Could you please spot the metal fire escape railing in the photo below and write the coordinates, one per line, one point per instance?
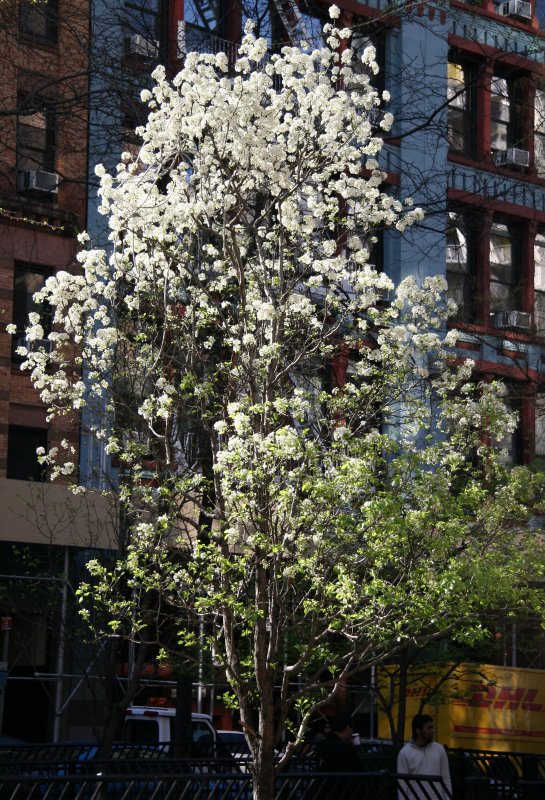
(292, 19)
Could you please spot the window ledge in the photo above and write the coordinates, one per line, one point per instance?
(28, 40)
(528, 177)
(29, 211)
(499, 333)
(532, 25)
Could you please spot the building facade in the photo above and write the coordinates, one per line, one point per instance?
(44, 532)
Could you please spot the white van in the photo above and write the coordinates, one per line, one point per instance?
(155, 725)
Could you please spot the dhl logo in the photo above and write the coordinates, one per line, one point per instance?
(419, 691)
(503, 697)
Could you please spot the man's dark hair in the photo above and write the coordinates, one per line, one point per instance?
(419, 721)
(340, 721)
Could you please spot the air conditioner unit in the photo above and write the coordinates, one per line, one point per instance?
(138, 45)
(39, 182)
(513, 156)
(517, 320)
(516, 8)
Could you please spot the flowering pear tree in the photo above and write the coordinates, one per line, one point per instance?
(318, 489)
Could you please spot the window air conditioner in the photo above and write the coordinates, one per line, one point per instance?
(138, 45)
(513, 156)
(518, 320)
(32, 180)
(516, 8)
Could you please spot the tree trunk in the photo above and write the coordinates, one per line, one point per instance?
(263, 774)
(117, 711)
(402, 698)
(181, 746)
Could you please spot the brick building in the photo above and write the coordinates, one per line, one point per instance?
(43, 195)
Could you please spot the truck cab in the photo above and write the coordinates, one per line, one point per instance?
(155, 725)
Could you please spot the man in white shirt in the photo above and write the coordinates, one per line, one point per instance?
(423, 756)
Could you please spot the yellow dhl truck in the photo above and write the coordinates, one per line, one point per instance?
(481, 707)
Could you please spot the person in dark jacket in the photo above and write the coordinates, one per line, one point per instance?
(336, 753)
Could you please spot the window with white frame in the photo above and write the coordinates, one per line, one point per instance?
(500, 114)
(539, 129)
(539, 284)
(459, 266)
(539, 431)
(460, 115)
(503, 272)
(508, 109)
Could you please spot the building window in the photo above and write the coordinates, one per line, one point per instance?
(539, 130)
(507, 113)
(539, 429)
(362, 38)
(27, 280)
(268, 23)
(147, 27)
(512, 444)
(22, 459)
(314, 27)
(35, 137)
(503, 269)
(500, 114)
(39, 20)
(539, 284)
(360, 238)
(459, 266)
(460, 115)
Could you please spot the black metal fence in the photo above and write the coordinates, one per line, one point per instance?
(220, 786)
(59, 772)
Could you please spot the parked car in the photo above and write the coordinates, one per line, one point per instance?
(10, 741)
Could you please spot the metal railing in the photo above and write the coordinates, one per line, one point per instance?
(139, 770)
(221, 786)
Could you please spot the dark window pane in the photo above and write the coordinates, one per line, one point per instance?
(22, 460)
(27, 281)
(39, 20)
(35, 139)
